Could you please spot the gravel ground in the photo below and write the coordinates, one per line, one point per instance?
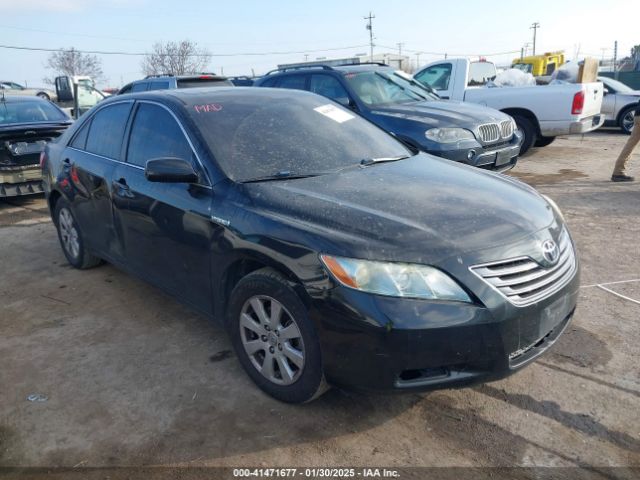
(133, 378)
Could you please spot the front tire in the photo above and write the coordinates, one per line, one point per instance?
(274, 339)
(529, 133)
(544, 141)
(71, 239)
(626, 119)
(43, 96)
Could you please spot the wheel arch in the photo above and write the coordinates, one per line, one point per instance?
(523, 112)
(624, 110)
(243, 265)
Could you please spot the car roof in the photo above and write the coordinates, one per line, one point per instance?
(341, 69)
(204, 95)
(22, 98)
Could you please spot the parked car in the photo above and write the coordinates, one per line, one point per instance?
(541, 112)
(327, 248)
(242, 81)
(167, 82)
(480, 136)
(13, 88)
(619, 104)
(77, 94)
(26, 125)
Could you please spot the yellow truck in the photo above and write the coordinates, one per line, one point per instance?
(539, 65)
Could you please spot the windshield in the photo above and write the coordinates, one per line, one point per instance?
(525, 67)
(30, 112)
(619, 87)
(298, 134)
(415, 87)
(384, 88)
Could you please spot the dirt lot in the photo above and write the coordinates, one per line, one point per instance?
(132, 377)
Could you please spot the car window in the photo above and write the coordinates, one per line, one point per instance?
(299, 134)
(80, 140)
(296, 82)
(204, 82)
(107, 129)
(480, 73)
(30, 111)
(140, 87)
(270, 82)
(125, 89)
(437, 76)
(327, 86)
(156, 134)
(159, 85)
(381, 88)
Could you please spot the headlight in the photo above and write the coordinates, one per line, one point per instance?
(448, 135)
(554, 206)
(394, 279)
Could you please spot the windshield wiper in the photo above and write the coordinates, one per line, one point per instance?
(281, 175)
(365, 162)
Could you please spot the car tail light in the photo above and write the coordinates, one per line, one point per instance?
(205, 77)
(43, 159)
(578, 103)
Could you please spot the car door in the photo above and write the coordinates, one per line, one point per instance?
(164, 228)
(609, 102)
(89, 161)
(438, 77)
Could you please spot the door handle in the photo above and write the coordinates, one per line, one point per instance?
(66, 161)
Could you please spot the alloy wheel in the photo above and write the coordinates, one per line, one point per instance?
(627, 121)
(68, 233)
(272, 339)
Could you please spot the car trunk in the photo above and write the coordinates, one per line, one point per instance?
(21, 148)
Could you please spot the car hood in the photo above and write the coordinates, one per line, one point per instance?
(423, 209)
(443, 113)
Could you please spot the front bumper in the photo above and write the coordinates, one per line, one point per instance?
(378, 343)
(500, 157)
(20, 180)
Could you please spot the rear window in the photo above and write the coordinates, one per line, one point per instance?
(480, 73)
(204, 82)
(253, 137)
(30, 111)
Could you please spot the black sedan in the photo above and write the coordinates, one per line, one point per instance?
(26, 125)
(330, 252)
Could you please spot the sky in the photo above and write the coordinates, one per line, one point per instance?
(232, 29)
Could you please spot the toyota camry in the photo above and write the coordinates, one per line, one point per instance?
(332, 254)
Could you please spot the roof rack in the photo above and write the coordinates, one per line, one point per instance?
(363, 63)
(159, 75)
(299, 67)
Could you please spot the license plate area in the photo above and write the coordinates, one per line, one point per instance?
(18, 149)
(503, 157)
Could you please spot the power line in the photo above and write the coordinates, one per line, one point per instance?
(440, 54)
(139, 54)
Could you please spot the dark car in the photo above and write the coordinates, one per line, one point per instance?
(167, 82)
(26, 125)
(242, 81)
(328, 250)
(463, 132)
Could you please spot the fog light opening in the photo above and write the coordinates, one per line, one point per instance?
(471, 154)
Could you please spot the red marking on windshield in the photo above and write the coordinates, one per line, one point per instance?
(207, 107)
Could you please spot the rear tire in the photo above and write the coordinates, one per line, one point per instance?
(71, 239)
(626, 119)
(544, 141)
(529, 133)
(274, 339)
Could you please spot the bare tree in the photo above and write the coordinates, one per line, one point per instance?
(72, 62)
(176, 58)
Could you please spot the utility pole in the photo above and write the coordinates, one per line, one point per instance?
(535, 26)
(400, 44)
(418, 60)
(306, 56)
(525, 48)
(615, 59)
(370, 28)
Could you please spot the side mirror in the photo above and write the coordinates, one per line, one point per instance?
(605, 91)
(345, 102)
(170, 170)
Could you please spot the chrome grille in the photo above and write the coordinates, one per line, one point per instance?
(524, 281)
(506, 129)
(489, 132)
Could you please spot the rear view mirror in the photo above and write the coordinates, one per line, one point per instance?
(170, 170)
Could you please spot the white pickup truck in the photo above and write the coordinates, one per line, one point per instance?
(541, 112)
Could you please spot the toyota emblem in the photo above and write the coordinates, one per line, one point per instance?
(550, 251)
